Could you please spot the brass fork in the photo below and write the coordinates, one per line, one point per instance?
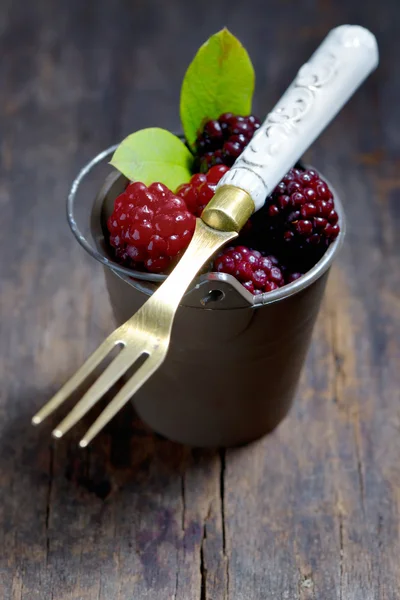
(148, 332)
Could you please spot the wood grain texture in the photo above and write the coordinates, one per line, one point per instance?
(309, 512)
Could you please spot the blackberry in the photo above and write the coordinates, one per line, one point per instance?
(299, 220)
(256, 272)
(223, 140)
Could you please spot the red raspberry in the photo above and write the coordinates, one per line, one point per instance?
(199, 191)
(223, 139)
(256, 272)
(149, 226)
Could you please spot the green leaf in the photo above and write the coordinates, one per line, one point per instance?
(219, 79)
(154, 154)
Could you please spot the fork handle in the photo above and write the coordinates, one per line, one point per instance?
(322, 86)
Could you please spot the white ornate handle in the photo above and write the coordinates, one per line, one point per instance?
(345, 58)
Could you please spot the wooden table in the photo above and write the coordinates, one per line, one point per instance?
(310, 512)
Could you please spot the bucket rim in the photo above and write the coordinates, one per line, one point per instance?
(130, 275)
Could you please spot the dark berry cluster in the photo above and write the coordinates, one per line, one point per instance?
(256, 272)
(301, 209)
(223, 139)
(299, 220)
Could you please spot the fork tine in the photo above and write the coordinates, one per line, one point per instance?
(76, 380)
(110, 375)
(135, 382)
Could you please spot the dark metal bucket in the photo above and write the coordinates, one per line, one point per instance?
(235, 359)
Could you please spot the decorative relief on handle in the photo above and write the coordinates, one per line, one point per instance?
(322, 86)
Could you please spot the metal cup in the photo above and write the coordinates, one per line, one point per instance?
(235, 359)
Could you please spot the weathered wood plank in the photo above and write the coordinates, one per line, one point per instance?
(311, 511)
